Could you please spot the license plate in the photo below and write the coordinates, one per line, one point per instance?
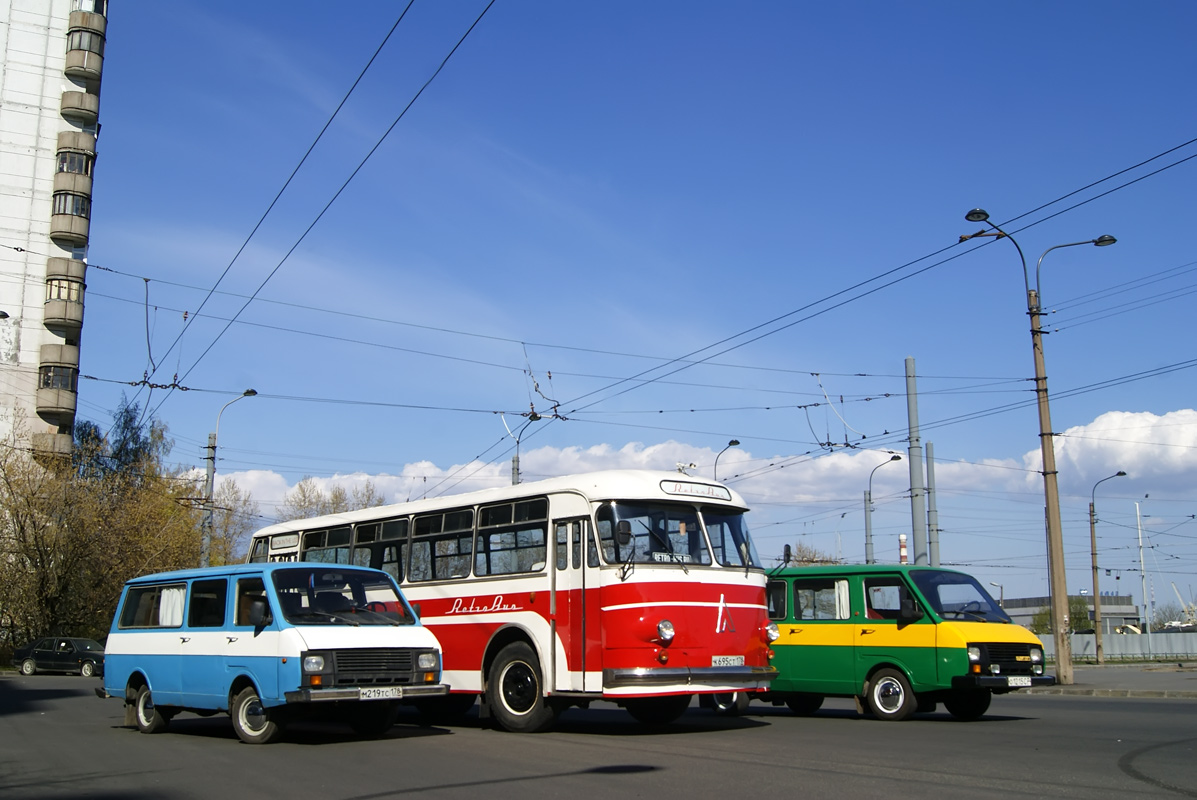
(727, 661)
(1018, 680)
(384, 693)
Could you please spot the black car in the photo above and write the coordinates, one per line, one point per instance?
(60, 654)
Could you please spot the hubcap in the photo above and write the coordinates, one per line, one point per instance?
(254, 715)
(889, 695)
(519, 690)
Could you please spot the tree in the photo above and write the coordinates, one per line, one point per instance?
(804, 554)
(73, 530)
(1078, 617)
(307, 500)
(234, 518)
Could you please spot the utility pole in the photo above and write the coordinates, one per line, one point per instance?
(932, 512)
(918, 509)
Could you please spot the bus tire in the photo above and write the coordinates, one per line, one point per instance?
(253, 722)
(804, 705)
(513, 690)
(967, 704)
(146, 715)
(730, 704)
(890, 697)
(658, 710)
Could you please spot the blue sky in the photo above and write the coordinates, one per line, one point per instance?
(646, 222)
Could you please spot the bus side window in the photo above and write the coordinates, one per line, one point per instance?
(776, 596)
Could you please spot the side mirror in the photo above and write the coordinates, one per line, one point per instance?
(258, 612)
(910, 611)
(623, 532)
(415, 608)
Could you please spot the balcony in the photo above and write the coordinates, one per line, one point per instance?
(70, 228)
(52, 446)
(73, 183)
(63, 312)
(82, 107)
(85, 47)
(58, 384)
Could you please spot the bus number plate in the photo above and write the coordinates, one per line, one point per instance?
(1018, 680)
(727, 661)
(382, 693)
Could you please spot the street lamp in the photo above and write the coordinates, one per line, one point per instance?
(1051, 491)
(1001, 594)
(206, 540)
(868, 508)
(732, 443)
(1101, 658)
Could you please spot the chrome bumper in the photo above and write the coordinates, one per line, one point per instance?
(697, 677)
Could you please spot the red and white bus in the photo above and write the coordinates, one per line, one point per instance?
(642, 588)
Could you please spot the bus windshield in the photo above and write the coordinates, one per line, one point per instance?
(317, 594)
(669, 533)
(954, 595)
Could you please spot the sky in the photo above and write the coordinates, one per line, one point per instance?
(663, 227)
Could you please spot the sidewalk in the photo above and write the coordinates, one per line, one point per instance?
(1171, 680)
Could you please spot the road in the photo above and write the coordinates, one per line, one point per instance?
(57, 739)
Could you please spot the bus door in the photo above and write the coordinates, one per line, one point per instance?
(578, 604)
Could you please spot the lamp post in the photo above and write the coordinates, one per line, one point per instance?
(1101, 658)
(1051, 490)
(868, 509)
(732, 443)
(206, 540)
(1001, 594)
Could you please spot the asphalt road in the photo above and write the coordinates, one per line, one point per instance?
(58, 740)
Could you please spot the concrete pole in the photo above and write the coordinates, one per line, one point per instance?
(918, 509)
(868, 508)
(932, 512)
(209, 488)
(1101, 659)
(1143, 583)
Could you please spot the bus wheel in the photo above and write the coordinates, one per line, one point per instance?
(513, 689)
(804, 704)
(729, 704)
(253, 722)
(147, 717)
(658, 710)
(890, 696)
(967, 704)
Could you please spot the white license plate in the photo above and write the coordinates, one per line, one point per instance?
(727, 661)
(1018, 680)
(385, 693)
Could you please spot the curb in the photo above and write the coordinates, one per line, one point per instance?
(1172, 694)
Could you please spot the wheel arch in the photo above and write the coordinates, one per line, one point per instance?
(890, 664)
(506, 635)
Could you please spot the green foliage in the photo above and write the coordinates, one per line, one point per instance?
(1078, 617)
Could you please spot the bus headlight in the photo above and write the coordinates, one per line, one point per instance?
(771, 632)
(665, 631)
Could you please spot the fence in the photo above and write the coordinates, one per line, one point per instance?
(1127, 647)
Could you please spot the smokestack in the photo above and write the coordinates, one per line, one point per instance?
(902, 549)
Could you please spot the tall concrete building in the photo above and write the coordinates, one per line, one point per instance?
(51, 64)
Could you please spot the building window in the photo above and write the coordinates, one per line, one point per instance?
(58, 378)
(75, 204)
(63, 289)
(90, 6)
(86, 40)
(75, 163)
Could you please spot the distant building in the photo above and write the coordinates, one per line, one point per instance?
(53, 58)
(1116, 610)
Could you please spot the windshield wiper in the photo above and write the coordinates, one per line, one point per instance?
(665, 543)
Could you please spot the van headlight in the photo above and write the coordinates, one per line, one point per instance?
(974, 655)
(427, 661)
(313, 664)
(1036, 655)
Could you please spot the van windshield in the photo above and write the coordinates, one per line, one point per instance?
(954, 595)
(320, 594)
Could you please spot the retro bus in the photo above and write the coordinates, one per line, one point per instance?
(638, 587)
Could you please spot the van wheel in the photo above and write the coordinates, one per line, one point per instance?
(147, 717)
(28, 667)
(804, 705)
(253, 722)
(374, 718)
(658, 710)
(890, 696)
(968, 704)
(513, 691)
(87, 669)
(730, 704)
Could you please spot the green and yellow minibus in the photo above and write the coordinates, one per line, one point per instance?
(899, 639)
